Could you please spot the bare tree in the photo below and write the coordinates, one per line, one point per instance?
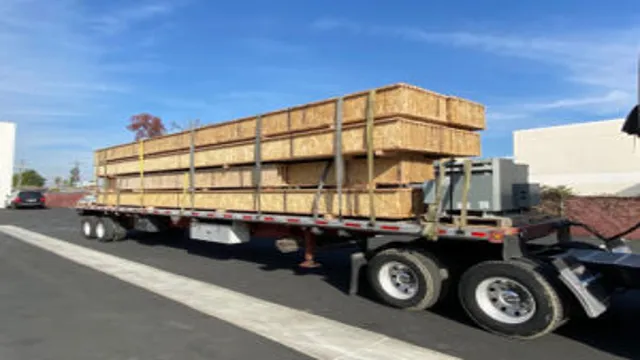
(146, 126)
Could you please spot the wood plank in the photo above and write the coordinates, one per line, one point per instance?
(465, 113)
(388, 171)
(390, 135)
(390, 204)
(393, 100)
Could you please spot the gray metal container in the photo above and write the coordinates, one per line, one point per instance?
(498, 185)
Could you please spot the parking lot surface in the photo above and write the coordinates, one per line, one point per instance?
(53, 308)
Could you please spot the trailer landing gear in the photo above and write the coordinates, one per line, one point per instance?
(309, 251)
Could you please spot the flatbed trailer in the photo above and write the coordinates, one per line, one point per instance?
(509, 277)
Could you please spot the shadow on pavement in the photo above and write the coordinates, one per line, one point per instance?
(614, 333)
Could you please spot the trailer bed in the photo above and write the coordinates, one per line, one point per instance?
(534, 227)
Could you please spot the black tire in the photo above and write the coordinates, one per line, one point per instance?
(88, 227)
(545, 316)
(426, 270)
(119, 232)
(107, 233)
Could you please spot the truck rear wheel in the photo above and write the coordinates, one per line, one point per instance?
(406, 279)
(88, 226)
(109, 229)
(511, 298)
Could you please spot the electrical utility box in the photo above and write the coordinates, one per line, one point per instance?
(498, 185)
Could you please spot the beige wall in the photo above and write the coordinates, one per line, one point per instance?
(592, 158)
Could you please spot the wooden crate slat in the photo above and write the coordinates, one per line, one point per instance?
(394, 100)
(390, 204)
(392, 135)
(388, 171)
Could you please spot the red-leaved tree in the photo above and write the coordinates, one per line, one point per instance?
(146, 126)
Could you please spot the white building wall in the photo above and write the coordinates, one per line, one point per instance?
(7, 152)
(592, 158)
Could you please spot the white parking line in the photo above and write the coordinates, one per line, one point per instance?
(309, 334)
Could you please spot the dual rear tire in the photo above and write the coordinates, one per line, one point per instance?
(104, 229)
(512, 298)
(407, 279)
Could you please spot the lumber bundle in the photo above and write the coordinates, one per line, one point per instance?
(388, 171)
(364, 149)
(390, 203)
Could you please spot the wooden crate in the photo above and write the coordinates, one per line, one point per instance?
(394, 100)
(391, 135)
(466, 114)
(387, 171)
(389, 203)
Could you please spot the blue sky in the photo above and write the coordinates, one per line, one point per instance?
(72, 72)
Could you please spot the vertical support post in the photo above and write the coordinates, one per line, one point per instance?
(323, 179)
(338, 159)
(465, 193)
(192, 167)
(370, 164)
(141, 165)
(117, 193)
(257, 171)
(430, 230)
(185, 187)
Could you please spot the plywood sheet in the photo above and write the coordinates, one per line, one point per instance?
(391, 135)
(390, 204)
(388, 171)
(466, 114)
(394, 100)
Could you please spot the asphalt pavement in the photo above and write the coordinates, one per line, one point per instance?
(55, 309)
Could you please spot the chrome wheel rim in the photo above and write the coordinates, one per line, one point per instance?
(505, 300)
(398, 280)
(100, 230)
(86, 228)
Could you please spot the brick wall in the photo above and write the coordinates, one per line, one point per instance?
(63, 199)
(607, 215)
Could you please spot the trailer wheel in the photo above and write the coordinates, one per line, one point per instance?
(88, 226)
(119, 232)
(511, 298)
(406, 279)
(105, 229)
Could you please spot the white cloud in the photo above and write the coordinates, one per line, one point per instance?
(326, 24)
(602, 63)
(58, 79)
(122, 19)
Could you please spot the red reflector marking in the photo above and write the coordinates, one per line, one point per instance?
(247, 217)
(479, 234)
(496, 237)
(321, 222)
(442, 232)
(228, 216)
(350, 224)
(388, 227)
(195, 214)
(167, 212)
(156, 212)
(210, 215)
(293, 220)
(269, 218)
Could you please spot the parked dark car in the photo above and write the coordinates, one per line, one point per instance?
(26, 199)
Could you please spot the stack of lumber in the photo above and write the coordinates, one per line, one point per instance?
(274, 162)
